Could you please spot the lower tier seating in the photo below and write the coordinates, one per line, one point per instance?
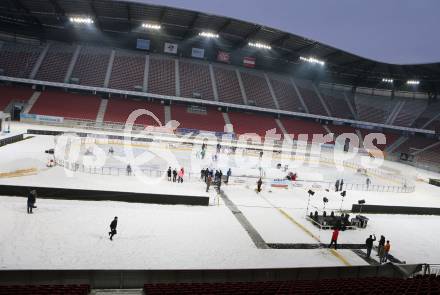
(201, 118)
(362, 286)
(67, 105)
(308, 128)
(45, 290)
(253, 123)
(118, 111)
(8, 94)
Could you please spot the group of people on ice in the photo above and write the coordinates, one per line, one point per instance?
(174, 175)
(383, 248)
(210, 177)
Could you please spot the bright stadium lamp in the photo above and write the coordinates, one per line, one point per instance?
(413, 82)
(151, 26)
(387, 80)
(209, 35)
(312, 60)
(81, 20)
(259, 45)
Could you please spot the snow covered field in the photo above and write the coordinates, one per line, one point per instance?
(73, 234)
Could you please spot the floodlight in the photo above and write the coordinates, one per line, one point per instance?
(209, 35)
(81, 20)
(151, 26)
(387, 80)
(413, 82)
(259, 45)
(312, 60)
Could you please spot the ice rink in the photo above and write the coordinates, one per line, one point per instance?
(73, 234)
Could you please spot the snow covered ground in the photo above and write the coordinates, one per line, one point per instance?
(73, 234)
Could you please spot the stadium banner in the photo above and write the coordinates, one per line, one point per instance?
(41, 118)
(249, 62)
(223, 56)
(170, 48)
(143, 44)
(198, 52)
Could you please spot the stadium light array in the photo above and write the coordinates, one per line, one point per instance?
(209, 35)
(413, 82)
(387, 80)
(81, 20)
(151, 26)
(259, 45)
(312, 60)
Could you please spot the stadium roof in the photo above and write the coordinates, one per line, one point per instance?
(49, 19)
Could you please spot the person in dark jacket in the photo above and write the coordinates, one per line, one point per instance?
(380, 246)
(174, 175)
(228, 174)
(202, 174)
(128, 169)
(169, 173)
(208, 182)
(32, 198)
(113, 226)
(369, 244)
(337, 185)
(341, 184)
(259, 183)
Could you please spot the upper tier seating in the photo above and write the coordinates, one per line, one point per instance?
(335, 100)
(288, 99)
(431, 155)
(18, 60)
(410, 111)
(210, 120)
(374, 109)
(228, 87)
(91, 66)
(127, 71)
(296, 127)
(257, 90)
(162, 75)
(118, 111)
(8, 94)
(336, 286)
(55, 63)
(310, 97)
(67, 105)
(195, 78)
(432, 110)
(253, 123)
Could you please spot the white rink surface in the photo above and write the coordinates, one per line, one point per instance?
(73, 234)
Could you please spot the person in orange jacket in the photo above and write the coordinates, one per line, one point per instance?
(386, 250)
(334, 240)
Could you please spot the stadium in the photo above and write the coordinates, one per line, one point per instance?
(148, 149)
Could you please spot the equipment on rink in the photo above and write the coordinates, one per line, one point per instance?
(435, 182)
(5, 120)
(331, 221)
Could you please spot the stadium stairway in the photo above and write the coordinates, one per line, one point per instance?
(32, 100)
(101, 111)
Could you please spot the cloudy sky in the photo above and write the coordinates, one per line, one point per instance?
(394, 31)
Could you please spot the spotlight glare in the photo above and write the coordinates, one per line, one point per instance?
(209, 35)
(151, 26)
(413, 82)
(312, 60)
(259, 45)
(387, 80)
(81, 20)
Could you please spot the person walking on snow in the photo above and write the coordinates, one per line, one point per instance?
(259, 183)
(113, 226)
(31, 201)
(128, 170)
(180, 175)
(337, 185)
(381, 246)
(174, 175)
(228, 174)
(341, 185)
(334, 240)
(368, 182)
(169, 173)
(386, 251)
(369, 243)
(208, 182)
